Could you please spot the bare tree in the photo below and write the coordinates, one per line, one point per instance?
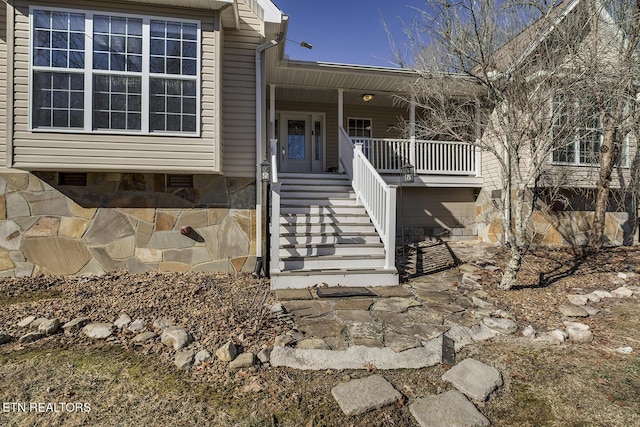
(491, 73)
(613, 67)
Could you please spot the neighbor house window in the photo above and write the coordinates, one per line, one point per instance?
(577, 128)
(102, 73)
(359, 127)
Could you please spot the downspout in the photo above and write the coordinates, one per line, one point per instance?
(260, 137)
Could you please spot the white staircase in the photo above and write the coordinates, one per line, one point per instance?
(325, 236)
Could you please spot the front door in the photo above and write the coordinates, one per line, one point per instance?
(301, 142)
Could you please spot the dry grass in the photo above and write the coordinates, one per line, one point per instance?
(545, 384)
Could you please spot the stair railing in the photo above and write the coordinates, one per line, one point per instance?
(275, 209)
(377, 197)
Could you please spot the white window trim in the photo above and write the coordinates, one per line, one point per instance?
(89, 72)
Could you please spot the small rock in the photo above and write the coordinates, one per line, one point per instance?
(24, 323)
(482, 333)
(478, 302)
(144, 337)
(625, 275)
(98, 330)
(175, 337)
(578, 332)
(625, 350)
(5, 338)
(202, 356)
(578, 299)
(49, 326)
(36, 323)
(276, 308)
(503, 314)
(75, 324)
(591, 310)
(573, 311)
(288, 338)
(137, 325)
(184, 359)
(264, 355)
(122, 321)
(601, 294)
(622, 292)
(504, 326)
(558, 335)
(468, 268)
(529, 332)
(244, 360)
(227, 352)
(30, 337)
(163, 323)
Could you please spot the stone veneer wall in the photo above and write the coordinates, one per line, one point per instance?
(554, 228)
(125, 221)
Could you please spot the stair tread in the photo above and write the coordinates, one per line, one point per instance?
(306, 271)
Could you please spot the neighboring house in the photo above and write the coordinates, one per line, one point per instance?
(136, 133)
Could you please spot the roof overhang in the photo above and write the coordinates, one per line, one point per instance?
(318, 82)
(191, 4)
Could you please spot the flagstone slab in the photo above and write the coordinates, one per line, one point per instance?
(353, 304)
(354, 316)
(358, 357)
(321, 328)
(474, 378)
(307, 308)
(394, 305)
(400, 342)
(344, 292)
(58, 255)
(392, 291)
(363, 395)
(108, 225)
(293, 294)
(445, 410)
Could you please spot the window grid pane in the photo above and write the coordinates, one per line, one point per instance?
(57, 100)
(173, 48)
(173, 105)
(116, 102)
(58, 39)
(117, 44)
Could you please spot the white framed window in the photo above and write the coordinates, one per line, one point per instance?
(359, 127)
(578, 122)
(114, 73)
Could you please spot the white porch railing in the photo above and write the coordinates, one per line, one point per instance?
(377, 197)
(275, 209)
(428, 157)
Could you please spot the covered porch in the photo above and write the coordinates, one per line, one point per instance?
(313, 108)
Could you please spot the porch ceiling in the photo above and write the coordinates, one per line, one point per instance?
(195, 4)
(330, 96)
(319, 82)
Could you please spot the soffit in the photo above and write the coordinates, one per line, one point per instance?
(193, 4)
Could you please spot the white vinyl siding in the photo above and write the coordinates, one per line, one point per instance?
(61, 150)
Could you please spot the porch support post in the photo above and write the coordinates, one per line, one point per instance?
(340, 123)
(412, 132)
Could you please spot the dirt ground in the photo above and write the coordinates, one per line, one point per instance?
(117, 383)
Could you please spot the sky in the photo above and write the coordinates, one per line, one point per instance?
(346, 31)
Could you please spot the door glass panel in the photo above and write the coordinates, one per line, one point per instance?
(296, 144)
(317, 132)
